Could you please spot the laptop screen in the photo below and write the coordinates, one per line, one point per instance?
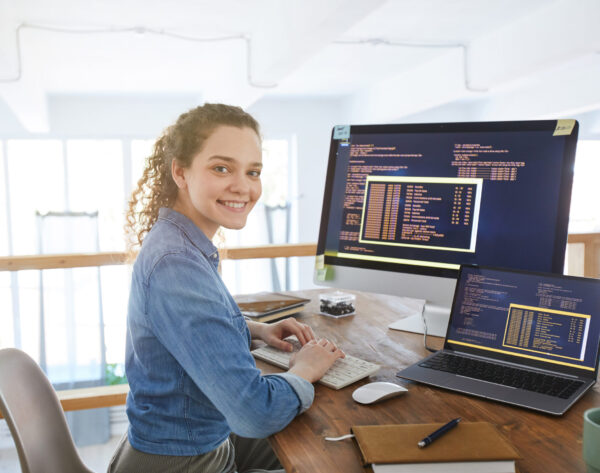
(544, 320)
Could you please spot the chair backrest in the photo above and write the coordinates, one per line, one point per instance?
(35, 417)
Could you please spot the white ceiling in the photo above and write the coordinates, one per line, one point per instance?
(388, 59)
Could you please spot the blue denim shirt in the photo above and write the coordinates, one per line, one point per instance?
(193, 380)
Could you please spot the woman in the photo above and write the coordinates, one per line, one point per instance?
(197, 401)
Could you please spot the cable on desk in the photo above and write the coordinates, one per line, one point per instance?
(337, 439)
(427, 347)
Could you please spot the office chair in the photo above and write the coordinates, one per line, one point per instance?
(35, 417)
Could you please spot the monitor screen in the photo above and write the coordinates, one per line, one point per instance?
(544, 318)
(422, 199)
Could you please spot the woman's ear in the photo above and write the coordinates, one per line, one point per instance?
(177, 172)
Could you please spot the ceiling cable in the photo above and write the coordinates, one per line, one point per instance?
(140, 30)
(410, 44)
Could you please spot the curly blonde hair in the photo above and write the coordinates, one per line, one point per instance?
(182, 141)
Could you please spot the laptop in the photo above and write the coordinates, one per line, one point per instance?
(523, 338)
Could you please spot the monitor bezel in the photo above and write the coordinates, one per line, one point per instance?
(558, 258)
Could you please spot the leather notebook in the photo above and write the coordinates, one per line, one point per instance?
(267, 306)
(397, 443)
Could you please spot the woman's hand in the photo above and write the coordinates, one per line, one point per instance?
(314, 359)
(273, 334)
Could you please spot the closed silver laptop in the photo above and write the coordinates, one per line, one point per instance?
(523, 338)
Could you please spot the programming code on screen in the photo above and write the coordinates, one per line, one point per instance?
(435, 213)
(552, 332)
(446, 198)
(525, 317)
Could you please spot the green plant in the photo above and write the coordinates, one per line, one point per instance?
(115, 374)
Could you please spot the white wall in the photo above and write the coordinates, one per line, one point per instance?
(116, 115)
(309, 122)
(486, 109)
(98, 116)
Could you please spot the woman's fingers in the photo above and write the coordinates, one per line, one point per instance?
(328, 344)
(302, 331)
(308, 332)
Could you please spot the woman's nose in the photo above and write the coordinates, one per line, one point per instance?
(240, 184)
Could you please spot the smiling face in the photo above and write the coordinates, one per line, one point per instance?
(222, 184)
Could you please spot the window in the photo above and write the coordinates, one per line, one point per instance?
(585, 213)
(94, 177)
(268, 223)
(64, 317)
(55, 315)
(36, 183)
(140, 150)
(4, 247)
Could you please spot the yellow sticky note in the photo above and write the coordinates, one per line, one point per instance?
(564, 127)
(320, 262)
(324, 274)
(341, 132)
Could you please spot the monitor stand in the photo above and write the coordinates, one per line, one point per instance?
(437, 318)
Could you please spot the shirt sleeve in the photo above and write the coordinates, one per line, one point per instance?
(188, 309)
(304, 389)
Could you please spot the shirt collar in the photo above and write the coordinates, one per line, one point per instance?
(195, 235)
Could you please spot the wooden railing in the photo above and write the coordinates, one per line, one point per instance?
(107, 396)
(92, 398)
(583, 259)
(583, 255)
(19, 263)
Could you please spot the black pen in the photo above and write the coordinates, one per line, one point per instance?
(439, 432)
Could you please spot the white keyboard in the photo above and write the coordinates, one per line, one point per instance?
(343, 372)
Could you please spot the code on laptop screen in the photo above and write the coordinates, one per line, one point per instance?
(549, 318)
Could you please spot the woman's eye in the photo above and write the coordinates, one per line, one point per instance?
(254, 173)
(220, 169)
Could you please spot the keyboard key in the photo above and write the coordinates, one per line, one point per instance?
(504, 375)
(343, 372)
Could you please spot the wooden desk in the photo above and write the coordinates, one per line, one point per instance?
(546, 443)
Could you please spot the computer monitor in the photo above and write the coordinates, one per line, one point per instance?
(406, 204)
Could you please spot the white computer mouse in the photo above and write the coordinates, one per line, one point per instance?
(377, 391)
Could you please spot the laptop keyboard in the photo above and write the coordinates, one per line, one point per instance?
(502, 374)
